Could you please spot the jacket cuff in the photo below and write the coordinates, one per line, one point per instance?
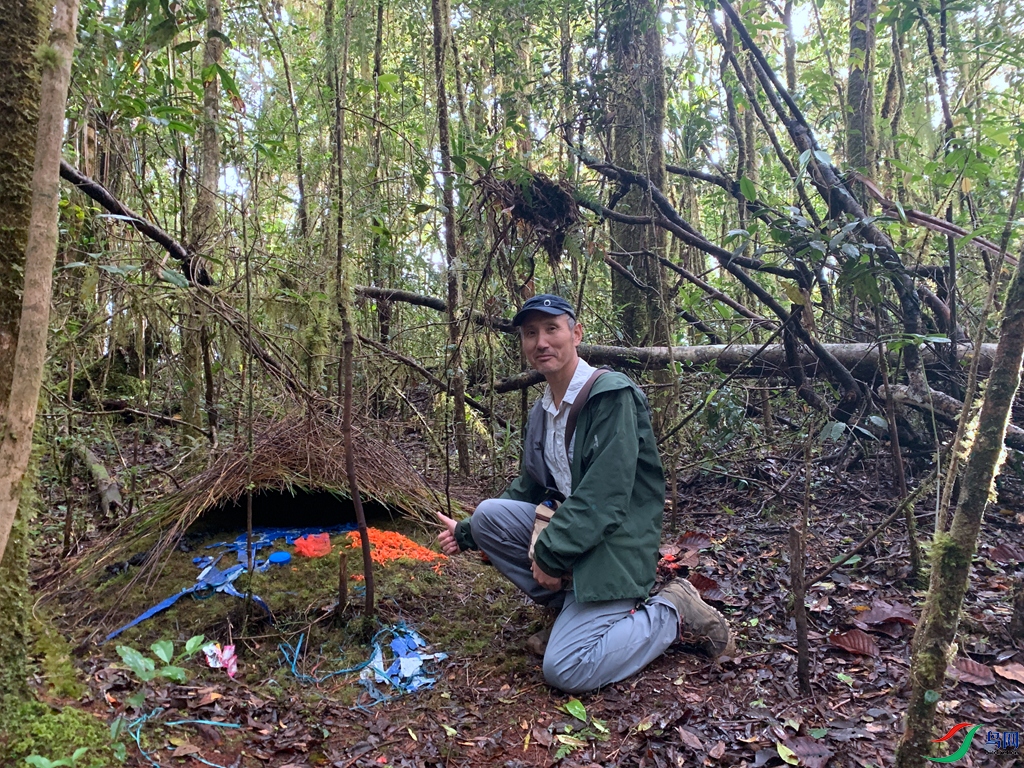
(542, 562)
(464, 535)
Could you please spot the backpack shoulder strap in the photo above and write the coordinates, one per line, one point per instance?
(577, 406)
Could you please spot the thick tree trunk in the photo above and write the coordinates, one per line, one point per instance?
(952, 552)
(637, 109)
(441, 35)
(33, 241)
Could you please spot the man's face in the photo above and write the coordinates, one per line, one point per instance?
(548, 342)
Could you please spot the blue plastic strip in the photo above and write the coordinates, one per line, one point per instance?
(220, 581)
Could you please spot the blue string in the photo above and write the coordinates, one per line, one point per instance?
(135, 731)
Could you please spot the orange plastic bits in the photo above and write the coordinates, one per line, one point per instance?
(386, 546)
(313, 545)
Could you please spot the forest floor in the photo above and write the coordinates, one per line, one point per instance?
(490, 705)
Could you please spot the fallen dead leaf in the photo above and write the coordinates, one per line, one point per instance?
(854, 641)
(1013, 672)
(693, 540)
(690, 739)
(708, 588)
(970, 671)
(811, 752)
(717, 751)
(1005, 553)
(882, 612)
(542, 736)
(184, 750)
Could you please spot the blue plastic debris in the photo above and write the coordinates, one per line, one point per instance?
(280, 557)
(407, 671)
(212, 578)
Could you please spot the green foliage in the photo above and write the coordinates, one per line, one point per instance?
(572, 739)
(38, 761)
(34, 729)
(145, 668)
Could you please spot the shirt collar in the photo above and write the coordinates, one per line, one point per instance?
(579, 378)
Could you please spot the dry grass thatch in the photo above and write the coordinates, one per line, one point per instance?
(294, 454)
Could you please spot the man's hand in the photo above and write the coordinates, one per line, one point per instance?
(553, 583)
(446, 538)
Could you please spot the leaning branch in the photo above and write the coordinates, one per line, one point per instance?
(97, 192)
(434, 380)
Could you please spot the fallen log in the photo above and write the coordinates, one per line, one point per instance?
(860, 359)
(946, 409)
(106, 487)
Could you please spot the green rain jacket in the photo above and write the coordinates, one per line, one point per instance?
(607, 533)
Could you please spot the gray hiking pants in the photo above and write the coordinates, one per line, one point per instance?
(591, 644)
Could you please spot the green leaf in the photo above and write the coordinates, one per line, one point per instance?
(134, 10)
(449, 730)
(164, 650)
(818, 733)
(851, 561)
(931, 697)
(75, 264)
(571, 741)
(175, 278)
(576, 709)
(174, 125)
(387, 82)
(143, 666)
(418, 208)
(116, 727)
(822, 156)
(162, 34)
(747, 189)
(193, 644)
(219, 35)
(174, 674)
(787, 754)
(187, 46)
(77, 754)
(228, 81)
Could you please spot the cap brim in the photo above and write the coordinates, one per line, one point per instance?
(521, 314)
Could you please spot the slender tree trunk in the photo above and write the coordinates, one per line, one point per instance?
(952, 552)
(300, 173)
(204, 221)
(31, 232)
(637, 108)
(381, 271)
(861, 138)
(441, 25)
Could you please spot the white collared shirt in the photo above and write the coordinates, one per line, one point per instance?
(554, 428)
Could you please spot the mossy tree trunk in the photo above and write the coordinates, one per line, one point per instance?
(861, 136)
(22, 26)
(637, 109)
(33, 96)
(952, 552)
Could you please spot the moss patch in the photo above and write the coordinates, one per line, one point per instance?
(33, 728)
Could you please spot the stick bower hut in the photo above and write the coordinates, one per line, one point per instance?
(297, 471)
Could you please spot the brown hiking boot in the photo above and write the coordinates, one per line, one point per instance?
(537, 644)
(699, 623)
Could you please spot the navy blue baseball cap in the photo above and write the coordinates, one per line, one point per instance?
(544, 302)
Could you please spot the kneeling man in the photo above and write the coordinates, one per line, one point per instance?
(604, 493)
